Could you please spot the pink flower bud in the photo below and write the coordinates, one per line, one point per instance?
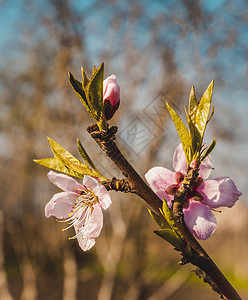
(111, 96)
(171, 189)
(179, 177)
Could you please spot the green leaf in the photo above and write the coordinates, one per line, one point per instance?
(85, 156)
(195, 137)
(171, 237)
(94, 93)
(58, 165)
(203, 109)
(79, 90)
(192, 104)
(209, 150)
(159, 220)
(182, 132)
(85, 80)
(61, 153)
(211, 115)
(70, 161)
(169, 218)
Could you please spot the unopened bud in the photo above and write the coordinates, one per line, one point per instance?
(179, 176)
(171, 189)
(111, 96)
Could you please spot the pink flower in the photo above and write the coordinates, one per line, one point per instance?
(205, 196)
(111, 96)
(80, 205)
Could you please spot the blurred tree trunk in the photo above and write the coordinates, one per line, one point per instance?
(4, 291)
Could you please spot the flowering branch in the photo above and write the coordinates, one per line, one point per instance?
(198, 257)
(181, 201)
(105, 140)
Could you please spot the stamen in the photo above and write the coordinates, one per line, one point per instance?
(213, 209)
(81, 212)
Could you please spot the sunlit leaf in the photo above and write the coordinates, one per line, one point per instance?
(79, 90)
(84, 155)
(182, 132)
(171, 237)
(209, 150)
(176, 233)
(94, 93)
(70, 161)
(192, 104)
(195, 136)
(61, 153)
(203, 109)
(57, 164)
(159, 220)
(85, 79)
(169, 218)
(211, 115)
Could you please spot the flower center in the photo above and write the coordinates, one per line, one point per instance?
(193, 194)
(81, 212)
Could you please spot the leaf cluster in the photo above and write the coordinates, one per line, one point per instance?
(90, 93)
(65, 162)
(198, 116)
(169, 230)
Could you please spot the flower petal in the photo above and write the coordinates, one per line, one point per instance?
(111, 90)
(96, 222)
(179, 160)
(85, 243)
(104, 196)
(200, 220)
(90, 229)
(100, 191)
(206, 167)
(163, 195)
(90, 226)
(160, 178)
(90, 182)
(219, 192)
(60, 205)
(64, 182)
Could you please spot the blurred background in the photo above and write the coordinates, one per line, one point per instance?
(157, 50)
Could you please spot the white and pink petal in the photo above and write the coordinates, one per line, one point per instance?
(64, 182)
(219, 192)
(163, 195)
(60, 205)
(99, 190)
(111, 90)
(206, 168)
(96, 222)
(104, 197)
(179, 160)
(90, 182)
(200, 220)
(90, 228)
(85, 243)
(160, 178)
